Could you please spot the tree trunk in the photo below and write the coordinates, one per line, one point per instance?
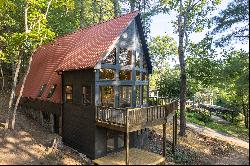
(116, 8)
(20, 95)
(245, 112)
(17, 69)
(13, 89)
(3, 81)
(183, 79)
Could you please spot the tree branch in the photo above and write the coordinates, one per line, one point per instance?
(46, 14)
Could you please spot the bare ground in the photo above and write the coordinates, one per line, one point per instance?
(30, 144)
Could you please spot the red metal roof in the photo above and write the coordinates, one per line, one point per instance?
(78, 50)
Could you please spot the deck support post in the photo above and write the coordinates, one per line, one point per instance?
(164, 139)
(41, 118)
(52, 123)
(127, 137)
(174, 132)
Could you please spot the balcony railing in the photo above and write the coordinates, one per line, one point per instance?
(134, 118)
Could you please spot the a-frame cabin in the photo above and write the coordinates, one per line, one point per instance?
(93, 87)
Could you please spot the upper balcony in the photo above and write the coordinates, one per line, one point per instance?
(133, 119)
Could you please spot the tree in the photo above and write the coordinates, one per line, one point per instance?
(27, 24)
(146, 8)
(192, 17)
(116, 8)
(162, 49)
(236, 81)
(235, 19)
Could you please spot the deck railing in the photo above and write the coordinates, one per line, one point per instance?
(134, 116)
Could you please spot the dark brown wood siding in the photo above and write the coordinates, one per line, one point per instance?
(79, 120)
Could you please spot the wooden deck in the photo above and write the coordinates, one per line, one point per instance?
(133, 119)
(136, 157)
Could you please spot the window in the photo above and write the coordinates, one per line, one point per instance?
(42, 90)
(125, 57)
(68, 94)
(145, 94)
(125, 75)
(111, 58)
(125, 96)
(107, 74)
(86, 95)
(107, 96)
(138, 96)
(52, 90)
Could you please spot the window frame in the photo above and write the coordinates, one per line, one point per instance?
(52, 90)
(65, 93)
(42, 90)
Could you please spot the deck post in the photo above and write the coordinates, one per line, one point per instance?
(127, 137)
(41, 118)
(164, 140)
(52, 123)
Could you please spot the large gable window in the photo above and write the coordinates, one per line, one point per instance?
(107, 74)
(42, 90)
(125, 57)
(68, 94)
(52, 90)
(111, 58)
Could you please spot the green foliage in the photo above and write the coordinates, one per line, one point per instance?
(164, 78)
(161, 49)
(46, 19)
(235, 130)
(237, 12)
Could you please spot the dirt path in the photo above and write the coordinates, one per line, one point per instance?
(217, 135)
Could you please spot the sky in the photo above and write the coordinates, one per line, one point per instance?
(161, 25)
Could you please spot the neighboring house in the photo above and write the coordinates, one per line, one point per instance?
(92, 86)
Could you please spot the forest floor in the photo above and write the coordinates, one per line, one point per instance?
(30, 144)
